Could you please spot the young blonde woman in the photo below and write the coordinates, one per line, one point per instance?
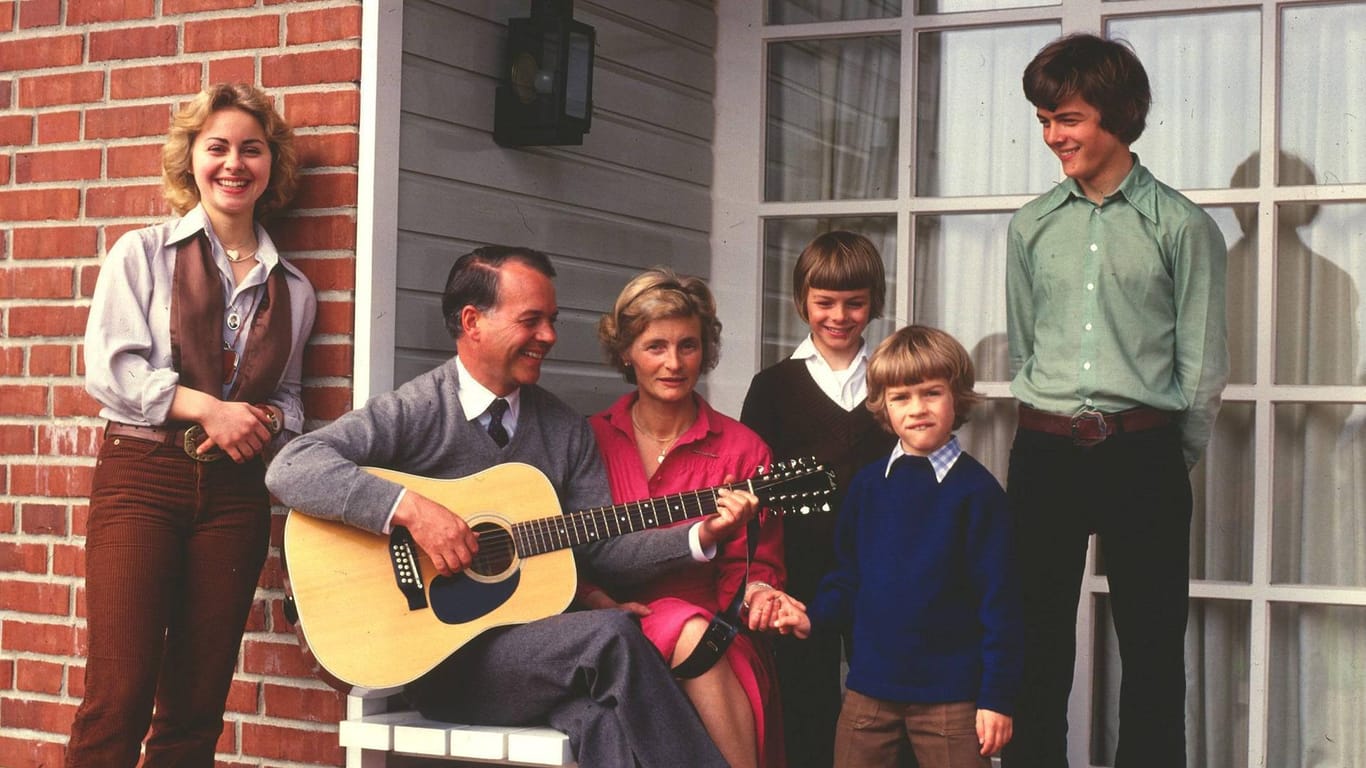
(194, 348)
(663, 438)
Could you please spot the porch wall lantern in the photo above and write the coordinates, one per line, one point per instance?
(546, 93)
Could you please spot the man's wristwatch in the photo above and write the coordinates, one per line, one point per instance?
(272, 421)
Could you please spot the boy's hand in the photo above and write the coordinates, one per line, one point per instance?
(791, 618)
(993, 731)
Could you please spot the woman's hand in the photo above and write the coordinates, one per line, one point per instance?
(734, 510)
(773, 610)
(240, 429)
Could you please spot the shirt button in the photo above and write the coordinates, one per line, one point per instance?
(1086, 366)
(1089, 401)
(1094, 247)
(1088, 326)
(1090, 286)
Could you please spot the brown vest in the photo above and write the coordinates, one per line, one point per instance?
(197, 306)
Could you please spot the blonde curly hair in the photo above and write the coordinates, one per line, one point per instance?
(656, 294)
(177, 173)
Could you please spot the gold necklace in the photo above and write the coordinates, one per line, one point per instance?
(236, 256)
(665, 443)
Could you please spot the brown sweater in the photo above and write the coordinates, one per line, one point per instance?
(789, 411)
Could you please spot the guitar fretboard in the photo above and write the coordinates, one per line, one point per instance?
(535, 537)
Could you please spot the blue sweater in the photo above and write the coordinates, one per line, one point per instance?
(925, 577)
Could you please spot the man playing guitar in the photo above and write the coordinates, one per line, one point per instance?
(590, 674)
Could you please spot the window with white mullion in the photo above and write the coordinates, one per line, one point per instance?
(1236, 86)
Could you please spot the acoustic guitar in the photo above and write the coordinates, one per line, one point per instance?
(374, 614)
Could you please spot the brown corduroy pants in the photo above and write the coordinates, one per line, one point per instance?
(173, 554)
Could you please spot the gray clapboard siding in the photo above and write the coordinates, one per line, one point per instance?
(636, 194)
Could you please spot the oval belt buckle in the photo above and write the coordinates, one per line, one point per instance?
(194, 435)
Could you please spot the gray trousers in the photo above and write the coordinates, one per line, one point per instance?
(591, 674)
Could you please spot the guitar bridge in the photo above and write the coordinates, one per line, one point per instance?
(407, 569)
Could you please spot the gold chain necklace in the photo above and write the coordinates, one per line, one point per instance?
(236, 256)
(665, 443)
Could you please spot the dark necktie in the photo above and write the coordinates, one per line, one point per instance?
(496, 430)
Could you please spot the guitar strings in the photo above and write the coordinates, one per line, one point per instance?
(500, 544)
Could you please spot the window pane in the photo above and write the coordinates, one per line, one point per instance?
(954, 6)
(1320, 262)
(1224, 490)
(1314, 704)
(960, 285)
(1239, 225)
(1217, 679)
(1321, 115)
(989, 433)
(1203, 70)
(784, 240)
(832, 119)
(1319, 495)
(977, 134)
(804, 11)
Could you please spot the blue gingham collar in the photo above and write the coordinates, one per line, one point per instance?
(941, 460)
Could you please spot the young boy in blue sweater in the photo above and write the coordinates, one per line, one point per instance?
(924, 575)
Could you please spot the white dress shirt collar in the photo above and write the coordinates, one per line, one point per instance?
(475, 400)
(847, 388)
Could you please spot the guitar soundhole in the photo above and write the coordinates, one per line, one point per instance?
(497, 550)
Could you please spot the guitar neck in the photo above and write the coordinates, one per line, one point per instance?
(535, 537)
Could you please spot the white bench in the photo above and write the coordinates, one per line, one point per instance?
(370, 734)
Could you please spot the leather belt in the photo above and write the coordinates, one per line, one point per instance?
(1089, 426)
(186, 438)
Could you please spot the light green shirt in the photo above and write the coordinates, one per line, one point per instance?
(1118, 305)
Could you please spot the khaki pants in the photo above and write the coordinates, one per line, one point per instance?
(872, 733)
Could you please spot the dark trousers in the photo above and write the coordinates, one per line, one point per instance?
(1133, 490)
(591, 674)
(173, 554)
(809, 670)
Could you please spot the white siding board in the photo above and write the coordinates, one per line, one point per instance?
(617, 139)
(692, 21)
(622, 92)
(458, 38)
(653, 52)
(442, 209)
(635, 194)
(435, 91)
(458, 153)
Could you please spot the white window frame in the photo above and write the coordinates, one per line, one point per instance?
(739, 212)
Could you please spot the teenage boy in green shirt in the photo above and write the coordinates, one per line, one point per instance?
(1115, 317)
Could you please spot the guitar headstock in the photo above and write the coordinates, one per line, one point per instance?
(795, 486)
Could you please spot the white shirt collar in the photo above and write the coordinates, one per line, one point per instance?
(475, 399)
(847, 388)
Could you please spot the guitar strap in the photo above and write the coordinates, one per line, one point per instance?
(724, 626)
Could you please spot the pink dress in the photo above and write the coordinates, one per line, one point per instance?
(714, 447)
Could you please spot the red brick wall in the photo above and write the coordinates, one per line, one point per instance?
(86, 93)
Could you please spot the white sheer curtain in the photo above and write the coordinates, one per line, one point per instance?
(976, 136)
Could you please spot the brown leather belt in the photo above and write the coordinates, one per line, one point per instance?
(186, 438)
(1089, 426)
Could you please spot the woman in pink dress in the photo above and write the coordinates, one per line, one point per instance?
(663, 439)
